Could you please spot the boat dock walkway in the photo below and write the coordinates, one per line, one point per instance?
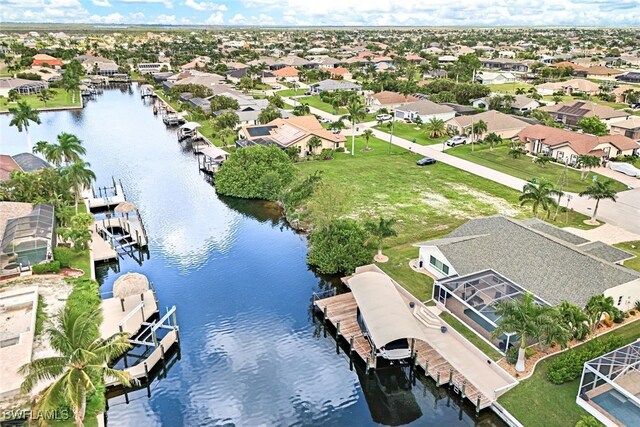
(443, 354)
(127, 314)
(104, 197)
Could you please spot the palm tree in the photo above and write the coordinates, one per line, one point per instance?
(575, 318)
(70, 83)
(23, 115)
(597, 306)
(435, 128)
(83, 359)
(45, 95)
(226, 134)
(380, 230)
(520, 91)
(313, 143)
(368, 133)
(586, 163)
(492, 139)
(51, 152)
(68, 149)
(541, 160)
(477, 128)
(519, 317)
(542, 194)
(356, 113)
(516, 150)
(78, 175)
(600, 190)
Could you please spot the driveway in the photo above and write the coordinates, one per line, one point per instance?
(625, 213)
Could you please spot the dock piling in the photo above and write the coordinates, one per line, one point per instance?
(450, 376)
(464, 386)
(438, 379)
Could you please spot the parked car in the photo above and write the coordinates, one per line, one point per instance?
(275, 87)
(336, 131)
(625, 168)
(383, 117)
(323, 120)
(425, 161)
(456, 140)
(408, 120)
(308, 93)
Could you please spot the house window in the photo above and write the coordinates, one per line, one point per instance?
(439, 264)
(560, 155)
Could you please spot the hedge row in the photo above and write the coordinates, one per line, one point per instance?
(568, 366)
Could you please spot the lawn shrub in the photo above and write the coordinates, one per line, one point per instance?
(568, 366)
(46, 268)
(63, 255)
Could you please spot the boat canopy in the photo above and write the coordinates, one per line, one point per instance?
(214, 152)
(385, 313)
(190, 126)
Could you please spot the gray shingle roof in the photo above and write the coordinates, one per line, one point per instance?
(30, 162)
(554, 231)
(606, 252)
(550, 267)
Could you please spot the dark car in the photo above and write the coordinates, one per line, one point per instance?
(425, 161)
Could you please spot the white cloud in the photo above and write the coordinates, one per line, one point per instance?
(215, 18)
(101, 3)
(203, 5)
(238, 19)
(167, 3)
(165, 20)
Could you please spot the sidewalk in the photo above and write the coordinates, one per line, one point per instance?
(624, 213)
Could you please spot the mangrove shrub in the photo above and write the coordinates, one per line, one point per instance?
(339, 247)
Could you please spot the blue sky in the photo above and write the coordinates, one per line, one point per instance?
(327, 12)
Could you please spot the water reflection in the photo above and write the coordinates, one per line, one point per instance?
(251, 354)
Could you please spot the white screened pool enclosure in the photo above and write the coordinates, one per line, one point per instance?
(28, 239)
(473, 298)
(610, 387)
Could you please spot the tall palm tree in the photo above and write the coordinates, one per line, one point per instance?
(68, 149)
(600, 190)
(519, 316)
(478, 128)
(597, 306)
(380, 230)
(539, 195)
(313, 143)
(51, 152)
(435, 128)
(45, 95)
(586, 163)
(23, 115)
(492, 139)
(520, 91)
(83, 358)
(368, 133)
(356, 113)
(78, 176)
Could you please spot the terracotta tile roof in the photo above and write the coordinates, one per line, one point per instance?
(339, 71)
(286, 72)
(569, 64)
(598, 70)
(7, 165)
(579, 142)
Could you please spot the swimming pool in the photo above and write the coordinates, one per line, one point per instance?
(618, 406)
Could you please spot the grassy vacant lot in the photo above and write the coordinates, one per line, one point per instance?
(409, 132)
(537, 402)
(509, 87)
(471, 336)
(60, 99)
(426, 201)
(291, 92)
(634, 248)
(316, 102)
(523, 167)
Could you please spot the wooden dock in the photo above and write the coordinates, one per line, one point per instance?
(341, 311)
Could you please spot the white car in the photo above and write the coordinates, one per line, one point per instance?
(457, 140)
(625, 168)
(383, 117)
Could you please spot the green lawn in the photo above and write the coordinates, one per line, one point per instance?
(427, 201)
(634, 248)
(60, 99)
(523, 167)
(509, 87)
(409, 132)
(537, 402)
(316, 102)
(471, 336)
(397, 267)
(291, 92)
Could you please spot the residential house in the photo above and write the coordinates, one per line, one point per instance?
(599, 72)
(326, 62)
(152, 67)
(41, 60)
(288, 74)
(330, 85)
(565, 146)
(294, 131)
(340, 73)
(629, 128)
(21, 86)
(249, 109)
(496, 258)
(571, 112)
(524, 103)
(504, 64)
(630, 77)
(424, 109)
(569, 87)
(98, 65)
(490, 78)
(387, 99)
(504, 125)
(619, 92)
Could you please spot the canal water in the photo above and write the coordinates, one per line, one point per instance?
(251, 354)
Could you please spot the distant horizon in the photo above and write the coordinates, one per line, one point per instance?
(328, 13)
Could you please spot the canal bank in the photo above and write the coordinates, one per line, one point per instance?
(251, 353)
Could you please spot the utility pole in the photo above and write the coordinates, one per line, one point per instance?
(393, 123)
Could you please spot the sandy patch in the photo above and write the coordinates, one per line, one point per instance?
(501, 205)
